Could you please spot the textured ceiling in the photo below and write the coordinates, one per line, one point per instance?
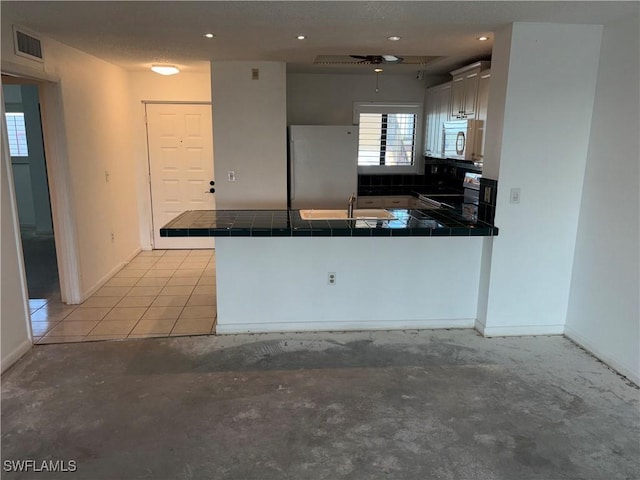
(136, 34)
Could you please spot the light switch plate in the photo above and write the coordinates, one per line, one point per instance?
(514, 196)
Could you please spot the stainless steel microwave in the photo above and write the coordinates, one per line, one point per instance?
(458, 139)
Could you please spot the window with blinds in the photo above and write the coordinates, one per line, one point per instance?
(387, 136)
(17, 135)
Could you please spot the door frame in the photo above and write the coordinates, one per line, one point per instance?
(59, 178)
(148, 171)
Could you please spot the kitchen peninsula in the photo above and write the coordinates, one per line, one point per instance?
(273, 269)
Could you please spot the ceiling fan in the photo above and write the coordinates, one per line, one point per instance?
(365, 60)
(377, 59)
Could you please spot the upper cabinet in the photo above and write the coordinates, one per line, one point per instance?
(464, 93)
(465, 97)
(480, 122)
(437, 112)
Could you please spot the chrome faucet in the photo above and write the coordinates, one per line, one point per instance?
(352, 200)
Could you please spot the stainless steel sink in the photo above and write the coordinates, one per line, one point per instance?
(358, 214)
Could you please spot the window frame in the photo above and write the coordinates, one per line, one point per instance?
(415, 108)
(12, 113)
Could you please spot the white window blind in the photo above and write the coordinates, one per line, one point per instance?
(17, 135)
(386, 138)
(387, 135)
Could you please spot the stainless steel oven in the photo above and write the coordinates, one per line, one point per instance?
(471, 185)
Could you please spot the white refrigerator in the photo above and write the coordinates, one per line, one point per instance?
(323, 165)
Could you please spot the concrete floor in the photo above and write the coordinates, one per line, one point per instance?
(371, 405)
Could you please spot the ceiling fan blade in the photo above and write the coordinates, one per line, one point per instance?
(361, 57)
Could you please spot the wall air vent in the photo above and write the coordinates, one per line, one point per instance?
(27, 44)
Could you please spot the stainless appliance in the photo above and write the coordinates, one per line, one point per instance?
(471, 185)
(323, 166)
(458, 139)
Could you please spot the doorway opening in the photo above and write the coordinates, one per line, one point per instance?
(29, 168)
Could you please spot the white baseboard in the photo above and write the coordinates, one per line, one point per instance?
(105, 278)
(16, 354)
(607, 358)
(519, 330)
(279, 327)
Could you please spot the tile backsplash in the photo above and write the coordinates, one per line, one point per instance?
(439, 176)
(391, 184)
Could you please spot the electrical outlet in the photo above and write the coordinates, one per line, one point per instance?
(106, 176)
(113, 237)
(231, 176)
(514, 196)
(331, 278)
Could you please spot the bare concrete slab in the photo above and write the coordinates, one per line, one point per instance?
(365, 405)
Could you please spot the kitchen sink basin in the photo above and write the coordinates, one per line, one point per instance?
(358, 214)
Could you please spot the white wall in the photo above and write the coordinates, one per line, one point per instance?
(149, 86)
(548, 105)
(20, 165)
(94, 118)
(324, 99)
(249, 134)
(12, 94)
(37, 165)
(97, 116)
(496, 107)
(15, 336)
(604, 313)
(388, 283)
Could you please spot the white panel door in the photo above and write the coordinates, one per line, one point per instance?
(180, 140)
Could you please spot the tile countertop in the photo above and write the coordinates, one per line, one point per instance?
(287, 223)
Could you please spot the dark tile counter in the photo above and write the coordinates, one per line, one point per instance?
(287, 223)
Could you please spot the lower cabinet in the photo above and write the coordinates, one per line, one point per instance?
(369, 202)
(386, 201)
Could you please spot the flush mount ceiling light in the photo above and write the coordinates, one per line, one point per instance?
(165, 69)
(393, 38)
(483, 38)
(209, 35)
(301, 37)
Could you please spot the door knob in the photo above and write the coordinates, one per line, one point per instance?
(212, 190)
(212, 183)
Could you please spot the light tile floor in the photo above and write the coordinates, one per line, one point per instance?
(160, 293)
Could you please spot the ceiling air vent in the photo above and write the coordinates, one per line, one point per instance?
(27, 45)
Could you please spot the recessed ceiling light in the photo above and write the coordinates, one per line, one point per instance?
(301, 37)
(209, 35)
(378, 70)
(165, 69)
(393, 38)
(483, 38)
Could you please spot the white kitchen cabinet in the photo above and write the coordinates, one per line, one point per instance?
(369, 202)
(438, 105)
(432, 111)
(480, 123)
(464, 92)
(400, 201)
(386, 201)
